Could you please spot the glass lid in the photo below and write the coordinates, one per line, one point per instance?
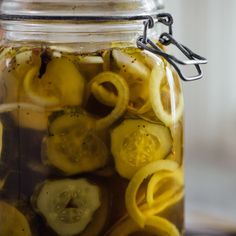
(74, 8)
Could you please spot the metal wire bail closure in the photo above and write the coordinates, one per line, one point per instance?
(166, 38)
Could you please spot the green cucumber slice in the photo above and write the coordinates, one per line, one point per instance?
(73, 146)
(136, 143)
(12, 221)
(68, 205)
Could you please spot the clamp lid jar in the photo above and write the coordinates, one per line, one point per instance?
(91, 119)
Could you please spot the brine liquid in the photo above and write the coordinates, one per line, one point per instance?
(42, 141)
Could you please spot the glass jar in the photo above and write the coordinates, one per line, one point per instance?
(91, 125)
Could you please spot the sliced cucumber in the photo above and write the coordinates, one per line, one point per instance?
(136, 143)
(24, 61)
(131, 65)
(91, 60)
(73, 146)
(68, 205)
(24, 116)
(27, 115)
(100, 217)
(62, 84)
(31, 118)
(135, 71)
(12, 221)
(67, 122)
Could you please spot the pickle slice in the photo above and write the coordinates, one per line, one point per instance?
(134, 69)
(61, 84)
(30, 116)
(27, 115)
(131, 65)
(69, 121)
(136, 143)
(24, 61)
(91, 60)
(67, 205)
(24, 113)
(73, 146)
(12, 221)
(101, 216)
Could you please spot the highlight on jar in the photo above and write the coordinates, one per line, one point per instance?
(91, 144)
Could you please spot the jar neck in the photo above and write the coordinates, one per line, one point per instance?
(72, 32)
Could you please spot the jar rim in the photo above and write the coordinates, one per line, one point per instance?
(90, 17)
(75, 9)
(9, 17)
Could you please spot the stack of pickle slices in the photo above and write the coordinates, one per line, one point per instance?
(108, 156)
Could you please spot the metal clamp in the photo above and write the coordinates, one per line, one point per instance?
(166, 39)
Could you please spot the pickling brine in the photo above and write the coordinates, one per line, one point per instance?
(91, 144)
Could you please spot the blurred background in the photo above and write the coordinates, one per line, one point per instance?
(208, 27)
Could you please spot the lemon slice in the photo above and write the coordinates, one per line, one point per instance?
(166, 95)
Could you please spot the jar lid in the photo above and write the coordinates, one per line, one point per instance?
(75, 8)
